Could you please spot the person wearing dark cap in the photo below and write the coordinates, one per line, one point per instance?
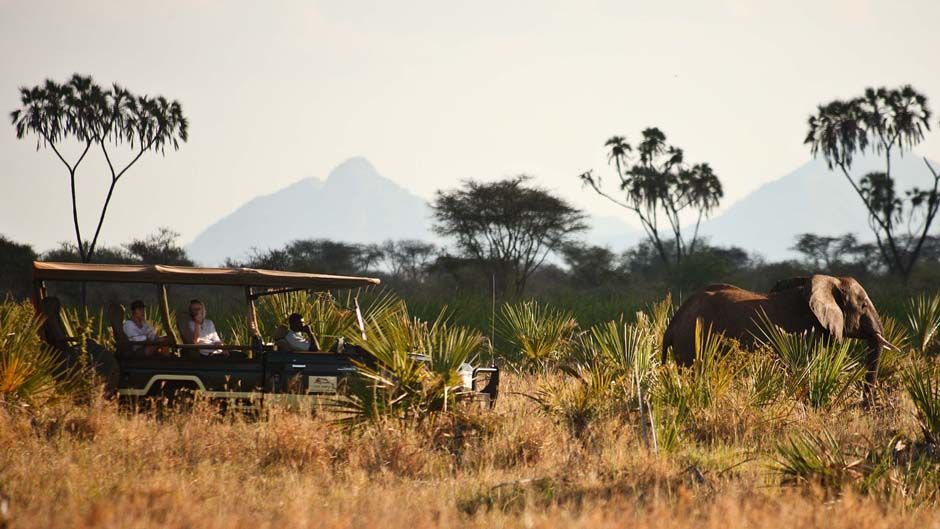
(300, 338)
(138, 329)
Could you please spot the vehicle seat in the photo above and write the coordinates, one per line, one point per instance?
(280, 338)
(182, 327)
(56, 330)
(116, 316)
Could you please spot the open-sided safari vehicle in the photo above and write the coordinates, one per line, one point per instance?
(254, 374)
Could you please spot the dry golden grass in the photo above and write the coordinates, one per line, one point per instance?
(99, 466)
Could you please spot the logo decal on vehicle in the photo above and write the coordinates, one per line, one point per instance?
(320, 384)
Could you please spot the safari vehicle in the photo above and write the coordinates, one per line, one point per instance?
(254, 374)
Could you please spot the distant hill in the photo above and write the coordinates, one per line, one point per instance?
(357, 204)
(354, 204)
(811, 199)
(612, 232)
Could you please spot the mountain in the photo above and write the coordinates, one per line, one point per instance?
(357, 204)
(354, 204)
(811, 199)
(612, 232)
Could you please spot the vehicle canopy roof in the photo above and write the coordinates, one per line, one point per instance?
(188, 275)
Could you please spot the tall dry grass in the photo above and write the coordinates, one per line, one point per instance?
(96, 466)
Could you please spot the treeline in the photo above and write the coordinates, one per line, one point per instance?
(577, 267)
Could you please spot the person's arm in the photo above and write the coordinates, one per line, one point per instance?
(314, 343)
(151, 334)
(295, 343)
(211, 334)
(133, 333)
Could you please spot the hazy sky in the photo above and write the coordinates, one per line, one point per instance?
(434, 92)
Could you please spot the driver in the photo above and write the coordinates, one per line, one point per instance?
(300, 337)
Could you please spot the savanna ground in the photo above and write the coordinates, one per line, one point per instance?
(589, 431)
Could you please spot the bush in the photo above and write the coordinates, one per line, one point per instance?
(705, 383)
(924, 320)
(418, 370)
(923, 386)
(539, 334)
(31, 373)
(817, 458)
(819, 369)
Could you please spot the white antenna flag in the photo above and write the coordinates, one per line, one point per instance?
(362, 326)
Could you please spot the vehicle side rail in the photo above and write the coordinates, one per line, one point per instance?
(492, 386)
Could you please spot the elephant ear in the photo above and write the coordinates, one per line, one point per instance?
(823, 291)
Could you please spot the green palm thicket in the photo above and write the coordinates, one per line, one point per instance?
(32, 374)
(418, 366)
(613, 370)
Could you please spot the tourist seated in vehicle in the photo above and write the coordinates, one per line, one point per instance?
(300, 337)
(138, 329)
(201, 330)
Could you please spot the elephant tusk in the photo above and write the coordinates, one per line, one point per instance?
(885, 343)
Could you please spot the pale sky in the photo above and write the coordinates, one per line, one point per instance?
(434, 92)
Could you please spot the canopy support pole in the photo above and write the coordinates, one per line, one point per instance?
(252, 311)
(165, 314)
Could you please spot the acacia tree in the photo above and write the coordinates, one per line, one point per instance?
(79, 110)
(883, 121)
(657, 184)
(408, 259)
(825, 253)
(508, 226)
(313, 255)
(161, 247)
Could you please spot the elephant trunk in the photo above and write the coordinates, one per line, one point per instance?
(876, 343)
(872, 361)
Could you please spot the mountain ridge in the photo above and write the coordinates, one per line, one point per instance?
(355, 203)
(810, 199)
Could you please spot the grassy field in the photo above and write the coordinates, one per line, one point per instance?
(590, 431)
(97, 467)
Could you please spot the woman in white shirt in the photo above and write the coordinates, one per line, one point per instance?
(203, 330)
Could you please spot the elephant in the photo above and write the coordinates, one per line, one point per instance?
(835, 306)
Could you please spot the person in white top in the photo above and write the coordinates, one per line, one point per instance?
(300, 337)
(203, 330)
(138, 329)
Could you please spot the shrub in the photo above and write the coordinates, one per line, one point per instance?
(816, 458)
(611, 370)
(628, 350)
(923, 386)
(819, 369)
(539, 334)
(31, 373)
(891, 360)
(589, 393)
(418, 368)
(705, 382)
(924, 320)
